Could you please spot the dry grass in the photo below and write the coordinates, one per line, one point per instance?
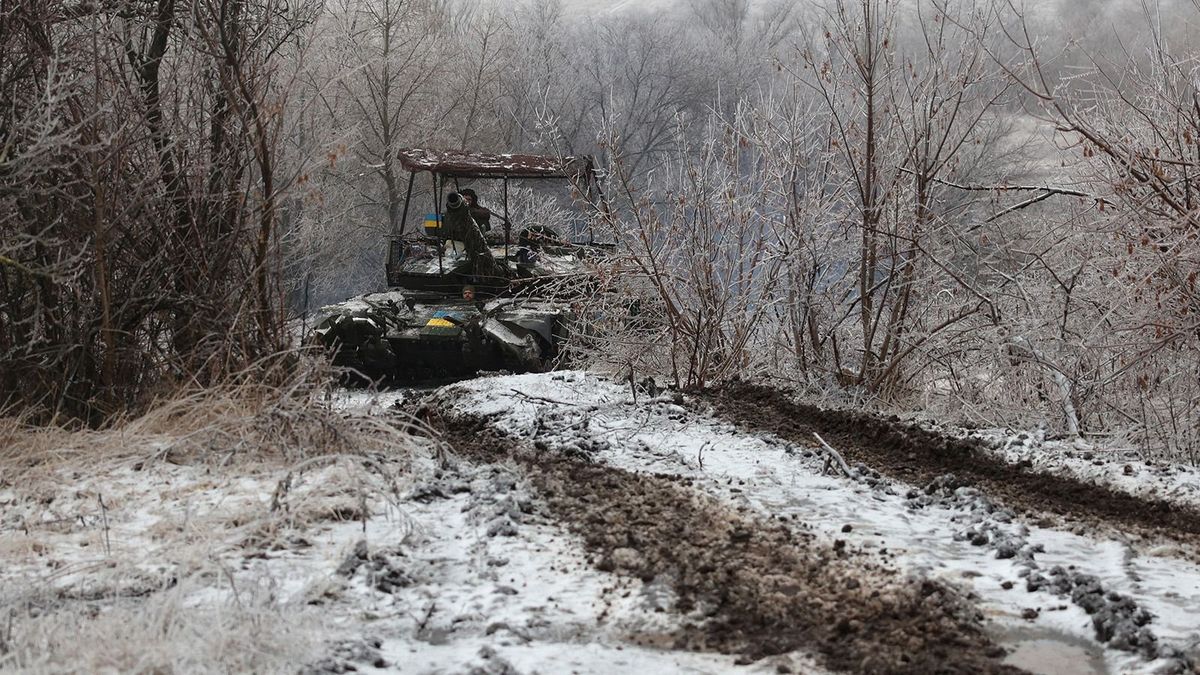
(226, 424)
(126, 549)
(168, 632)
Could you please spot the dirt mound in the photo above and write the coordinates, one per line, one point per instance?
(910, 453)
(765, 588)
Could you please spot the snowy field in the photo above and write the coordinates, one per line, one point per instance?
(165, 561)
(177, 554)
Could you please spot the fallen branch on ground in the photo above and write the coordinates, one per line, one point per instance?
(542, 398)
(832, 454)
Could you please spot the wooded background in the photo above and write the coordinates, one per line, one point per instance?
(951, 207)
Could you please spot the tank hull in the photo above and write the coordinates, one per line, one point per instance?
(394, 337)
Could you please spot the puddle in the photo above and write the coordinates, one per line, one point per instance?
(1044, 651)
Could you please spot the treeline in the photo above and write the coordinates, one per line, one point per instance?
(936, 205)
(928, 209)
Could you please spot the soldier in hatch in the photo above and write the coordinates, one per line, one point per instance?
(460, 225)
(480, 214)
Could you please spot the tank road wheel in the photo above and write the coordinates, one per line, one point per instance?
(358, 344)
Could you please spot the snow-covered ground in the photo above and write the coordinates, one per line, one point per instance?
(414, 562)
(952, 533)
(1114, 467)
(191, 554)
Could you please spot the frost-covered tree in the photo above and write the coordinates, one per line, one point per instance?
(140, 195)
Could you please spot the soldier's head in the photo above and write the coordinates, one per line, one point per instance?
(469, 195)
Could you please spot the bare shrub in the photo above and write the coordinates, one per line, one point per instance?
(705, 257)
(812, 234)
(1119, 295)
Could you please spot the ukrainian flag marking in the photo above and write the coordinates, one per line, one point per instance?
(442, 324)
(432, 222)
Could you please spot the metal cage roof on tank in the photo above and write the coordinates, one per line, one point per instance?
(463, 164)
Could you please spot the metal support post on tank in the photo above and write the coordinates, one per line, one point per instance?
(412, 176)
(507, 223)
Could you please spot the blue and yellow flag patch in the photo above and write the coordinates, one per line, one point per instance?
(440, 324)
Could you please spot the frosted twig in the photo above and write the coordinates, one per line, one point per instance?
(542, 398)
(428, 615)
(104, 517)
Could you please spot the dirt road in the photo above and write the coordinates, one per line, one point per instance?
(563, 522)
(926, 556)
(760, 586)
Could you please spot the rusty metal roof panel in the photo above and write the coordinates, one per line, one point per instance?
(482, 164)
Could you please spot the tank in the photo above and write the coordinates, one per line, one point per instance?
(471, 290)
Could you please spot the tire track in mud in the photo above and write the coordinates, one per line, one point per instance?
(912, 454)
(763, 587)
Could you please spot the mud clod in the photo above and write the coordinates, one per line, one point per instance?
(347, 656)
(382, 571)
(1116, 618)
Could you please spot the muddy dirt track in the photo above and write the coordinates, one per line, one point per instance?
(915, 455)
(762, 587)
